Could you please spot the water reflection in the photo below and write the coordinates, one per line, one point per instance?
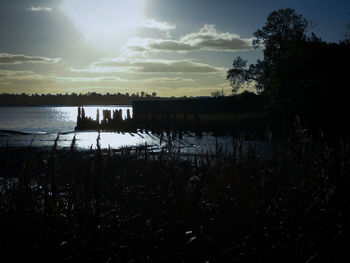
(44, 123)
(87, 140)
(50, 120)
(64, 113)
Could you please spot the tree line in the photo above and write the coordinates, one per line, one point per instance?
(74, 99)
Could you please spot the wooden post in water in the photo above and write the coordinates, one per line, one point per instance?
(82, 113)
(79, 113)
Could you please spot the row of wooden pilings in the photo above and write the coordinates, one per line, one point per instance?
(148, 122)
(110, 119)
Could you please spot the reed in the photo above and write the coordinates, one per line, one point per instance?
(136, 205)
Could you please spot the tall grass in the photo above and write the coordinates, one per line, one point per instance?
(134, 205)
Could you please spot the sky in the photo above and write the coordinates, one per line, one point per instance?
(173, 48)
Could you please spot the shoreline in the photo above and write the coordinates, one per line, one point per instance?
(63, 105)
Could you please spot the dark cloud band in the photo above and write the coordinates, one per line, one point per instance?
(19, 59)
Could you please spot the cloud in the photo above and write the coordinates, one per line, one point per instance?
(30, 75)
(154, 66)
(14, 73)
(26, 3)
(31, 82)
(166, 80)
(167, 84)
(22, 81)
(153, 24)
(20, 59)
(183, 66)
(90, 79)
(208, 38)
(39, 9)
(171, 45)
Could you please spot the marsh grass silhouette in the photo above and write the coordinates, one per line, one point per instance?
(137, 205)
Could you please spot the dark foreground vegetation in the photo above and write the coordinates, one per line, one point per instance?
(133, 205)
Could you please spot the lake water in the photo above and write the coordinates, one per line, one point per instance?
(39, 126)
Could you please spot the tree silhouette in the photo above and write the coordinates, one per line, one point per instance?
(217, 93)
(283, 31)
(300, 75)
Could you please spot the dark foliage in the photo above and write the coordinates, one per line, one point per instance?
(300, 75)
(133, 205)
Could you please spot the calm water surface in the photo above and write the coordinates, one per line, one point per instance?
(39, 126)
(49, 120)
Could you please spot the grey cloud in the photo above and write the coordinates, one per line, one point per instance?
(224, 44)
(11, 73)
(208, 38)
(90, 79)
(137, 48)
(153, 24)
(211, 39)
(166, 80)
(171, 45)
(175, 67)
(19, 59)
(27, 4)
(39, 9)
(161, 66)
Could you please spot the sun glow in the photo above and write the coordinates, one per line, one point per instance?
(105, 22)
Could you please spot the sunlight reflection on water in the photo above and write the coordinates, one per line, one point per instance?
(42, 124)
(109, 139)
(68, 114)
(49, 120)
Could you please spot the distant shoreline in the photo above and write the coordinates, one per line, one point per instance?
(60, 105)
